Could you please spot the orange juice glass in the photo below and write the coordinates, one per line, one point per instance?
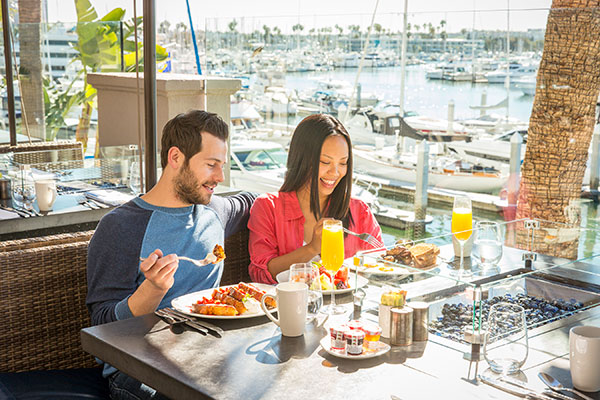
(332, 256)
(462, 223)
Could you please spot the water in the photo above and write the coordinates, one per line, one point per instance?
(426, 97)
(489, 252)
(315, 302)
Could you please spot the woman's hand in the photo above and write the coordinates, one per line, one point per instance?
(315, 243)
(159, 270)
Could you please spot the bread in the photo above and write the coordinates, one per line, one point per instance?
(424, 254)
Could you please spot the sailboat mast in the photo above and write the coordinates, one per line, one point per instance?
(507, 81)
(403, 58)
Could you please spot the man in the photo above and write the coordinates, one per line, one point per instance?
(173, 219)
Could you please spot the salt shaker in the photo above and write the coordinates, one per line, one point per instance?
(420, 318)
(401, 326)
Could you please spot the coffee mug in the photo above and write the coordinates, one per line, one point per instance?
(584, 357)
(45, 191)
(292, 303)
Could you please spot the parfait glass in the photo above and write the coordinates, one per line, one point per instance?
(462, 227)
(309, 274)
(332, 256)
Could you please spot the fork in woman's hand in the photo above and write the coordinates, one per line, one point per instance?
(209, 259)
(366, 237)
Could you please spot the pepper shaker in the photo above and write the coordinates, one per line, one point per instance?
(401, 326)
(420, 318)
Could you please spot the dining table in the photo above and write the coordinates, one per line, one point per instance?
(252, 360)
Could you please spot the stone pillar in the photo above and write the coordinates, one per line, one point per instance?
(118, 118)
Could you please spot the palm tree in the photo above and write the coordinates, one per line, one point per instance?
(164, 27)
(562, 118)
(30, 60)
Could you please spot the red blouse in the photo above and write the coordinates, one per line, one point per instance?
(277, 227)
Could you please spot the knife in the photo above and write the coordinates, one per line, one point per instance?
(184, 320)
(522, 385)
(217, 331)
(514, 390)
(20, 213)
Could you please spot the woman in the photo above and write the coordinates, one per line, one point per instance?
(285, 227)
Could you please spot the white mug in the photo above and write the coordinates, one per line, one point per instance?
(45, 191)
(584, 357)
(292, 303)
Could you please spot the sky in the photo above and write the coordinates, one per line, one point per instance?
(251, 15)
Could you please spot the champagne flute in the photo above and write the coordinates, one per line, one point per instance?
(462, 226)
(332, 256)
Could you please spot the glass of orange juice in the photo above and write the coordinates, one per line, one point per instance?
(332, 256)
(462, 225)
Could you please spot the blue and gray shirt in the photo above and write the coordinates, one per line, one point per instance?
(136, 229)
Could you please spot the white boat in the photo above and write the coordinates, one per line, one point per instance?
(247, 123)
(527, 84)
(444, 172)
(515, 71)
(276, 100)
(380, 124)
(494, 123)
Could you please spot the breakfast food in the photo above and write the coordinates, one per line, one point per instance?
(219, 252)
(424, 254)
(339, 280)
(420, 255)
(394, 298)
(242, 298)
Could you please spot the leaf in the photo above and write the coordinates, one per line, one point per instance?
(85, 11)
(115, 15)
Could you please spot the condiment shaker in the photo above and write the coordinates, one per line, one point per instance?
(401, 326)
(420, 319)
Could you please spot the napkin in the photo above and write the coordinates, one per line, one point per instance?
(111, 197)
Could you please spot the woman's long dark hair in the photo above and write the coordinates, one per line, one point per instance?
(303, 166)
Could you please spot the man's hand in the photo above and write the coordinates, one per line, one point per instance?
(159, 270)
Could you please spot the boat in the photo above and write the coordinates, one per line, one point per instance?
(527, 84)
(380, 124)
(276, 100)
(494, 124)
(444, 171)
(247, 123)
(515, 71)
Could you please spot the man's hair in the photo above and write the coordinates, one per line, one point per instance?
(185, 132)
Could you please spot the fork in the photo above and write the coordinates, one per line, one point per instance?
(366, 237)
(209, 259)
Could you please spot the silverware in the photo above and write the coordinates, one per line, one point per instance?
(82, 200)
(366, 237)
(174, 325)
(210, 258)
(522, 385)
(184, 320)
(20, 213)
(557, 386)
(514, 390)
(217, 331)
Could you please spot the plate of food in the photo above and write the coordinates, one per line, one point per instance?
(226, 302)
(375, 350)
(343, 280)
(421, 257)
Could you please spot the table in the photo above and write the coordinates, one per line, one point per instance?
(253, 361)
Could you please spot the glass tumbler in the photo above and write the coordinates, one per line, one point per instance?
(505, 346)
(309, 274)
(488, 243)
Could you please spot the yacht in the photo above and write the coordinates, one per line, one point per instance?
(515, 71)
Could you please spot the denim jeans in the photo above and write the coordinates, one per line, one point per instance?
(124, 387)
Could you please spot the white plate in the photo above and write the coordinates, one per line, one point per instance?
(184, 303)
(381, 349)
(395, 270)
(284, 276)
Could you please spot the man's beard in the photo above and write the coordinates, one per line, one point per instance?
(188, 189)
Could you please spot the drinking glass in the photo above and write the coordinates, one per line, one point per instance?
(462, 226)
(134, 182)
(488, 242)
(332, 255)
(23, 194)
(505, 347)
(309, 274)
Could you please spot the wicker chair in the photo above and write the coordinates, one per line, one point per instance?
(47, 155)
(43, 290)
(42, 297)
